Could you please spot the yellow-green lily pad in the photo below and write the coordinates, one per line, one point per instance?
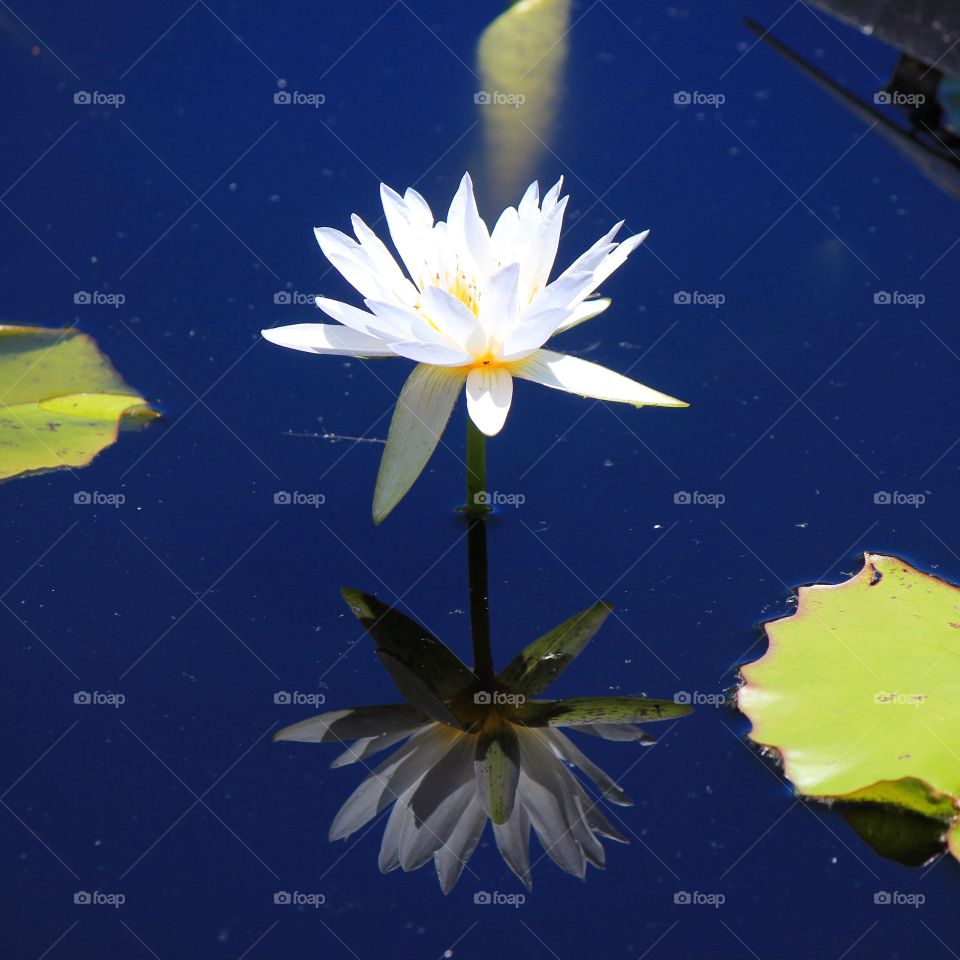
(61, 401)
(859, 691)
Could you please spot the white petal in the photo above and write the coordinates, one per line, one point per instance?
(586, 310)
(329, 339)
(396, 322)
(468, 231)
(397, 774)
(500, 304)
(383, 260)
(353, 262)
(410, 233)
(349, 315)
(451, 858)
(452, 318)
(502, 236)
(567, 750)
(617, 257)
(532, 332)
(435, 354)
(513, 842)
(563, 372)
(489, 392)
(530, 200)
(421, 415)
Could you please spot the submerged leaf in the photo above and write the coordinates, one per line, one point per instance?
(61, 401)
(543, 660)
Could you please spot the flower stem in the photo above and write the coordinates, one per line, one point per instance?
(476, 471)
(479, 599)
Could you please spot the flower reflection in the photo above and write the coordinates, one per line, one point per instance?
(477, 747)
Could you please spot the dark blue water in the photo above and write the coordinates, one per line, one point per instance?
(199, 598)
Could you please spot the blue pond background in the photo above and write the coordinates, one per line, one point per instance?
(200, 598)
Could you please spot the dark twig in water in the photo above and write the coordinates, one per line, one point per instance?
(332, 437)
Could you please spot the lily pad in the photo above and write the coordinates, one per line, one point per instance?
(859, 691)
(61, 401)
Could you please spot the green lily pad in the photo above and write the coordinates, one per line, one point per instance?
(859, 691)
(61, 401)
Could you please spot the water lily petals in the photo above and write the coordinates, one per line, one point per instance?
(421, 414)
(567, 750)
(393, 321)
(622, 732)
(450, 772)
(451, 317)
(531, 333)
(498, 773)
(513, 842)
(353, 262)
(542, 791)
(418, 208)
(368, 746)
(327, 338)
(451, 858)
(563, 372)
(384, 262)
(430, 353)
(349, 724)
(349, 316)
(410, 234)
(388, 781)
(419, 843)
(584, 311)
(618, 257)
(541, 258)
(530, 200)
(502, 235)
(468, 229)
(489, 393)
(500, 303)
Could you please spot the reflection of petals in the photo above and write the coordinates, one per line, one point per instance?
(465, 759)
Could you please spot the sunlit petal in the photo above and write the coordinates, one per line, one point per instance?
(563, 372)
(489, 393)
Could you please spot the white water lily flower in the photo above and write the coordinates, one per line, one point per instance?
(478, 751)
(474, 308)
